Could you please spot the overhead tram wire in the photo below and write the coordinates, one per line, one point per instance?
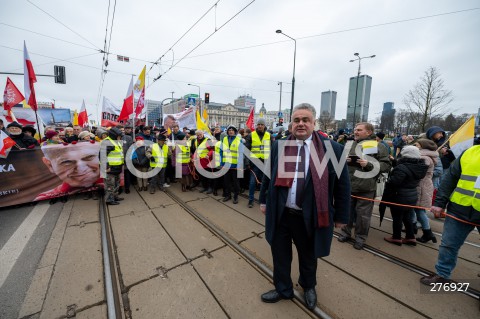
(204, 40)
(334, 32)
(104, 61)
(186, 32)
(51, 16)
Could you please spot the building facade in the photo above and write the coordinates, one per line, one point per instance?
(328, 103)
(358, 99)
(223, 115)
(245, 101)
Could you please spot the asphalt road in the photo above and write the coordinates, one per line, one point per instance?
(24, 233)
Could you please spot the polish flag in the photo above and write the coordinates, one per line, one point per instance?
(250, 120)
(11, 95)
(83, 116)
(28, 79)
(6, 143)
(127, 108)
(53, 105)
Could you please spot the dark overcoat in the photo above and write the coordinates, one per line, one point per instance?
(338, 200)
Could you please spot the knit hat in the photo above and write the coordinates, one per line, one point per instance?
(50, 134)
(14, 124)
(83, 134)
(381, 135)
(261, 121)
(30, 129)
(410, 151)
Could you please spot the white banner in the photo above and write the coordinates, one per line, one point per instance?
(183, 119)
(110, 113)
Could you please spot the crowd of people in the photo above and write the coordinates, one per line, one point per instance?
(416, 172)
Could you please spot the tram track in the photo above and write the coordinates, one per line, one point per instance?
(471, 292)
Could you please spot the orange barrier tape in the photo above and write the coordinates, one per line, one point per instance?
(442, 215)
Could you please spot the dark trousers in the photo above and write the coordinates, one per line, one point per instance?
(360, 215)
(292, 227)
(401, 215)
(230, 181)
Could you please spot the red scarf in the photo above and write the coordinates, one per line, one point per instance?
(320, 183)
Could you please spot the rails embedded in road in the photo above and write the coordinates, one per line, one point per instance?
(114, 307)
(245, 254)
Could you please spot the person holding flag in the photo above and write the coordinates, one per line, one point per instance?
(22, 141)
(6, 143)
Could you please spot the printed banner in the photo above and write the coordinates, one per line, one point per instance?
(110, 113)
(184, 119)
(48, 172)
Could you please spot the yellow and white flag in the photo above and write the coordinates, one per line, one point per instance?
(462, 139)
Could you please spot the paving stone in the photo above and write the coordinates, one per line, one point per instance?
(192, 236)
(143, 246)
(78, 275)
(36, 292)
(95, 312)
(84, 211)
(133, 203)
(158, 199)
(230, 221)
(181, 295)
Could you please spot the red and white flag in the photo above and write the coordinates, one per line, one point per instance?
(83, 116)
(53, 105)
(250, 121)
(127, 108)
(28, 79)
(11, 95)
(6, 143)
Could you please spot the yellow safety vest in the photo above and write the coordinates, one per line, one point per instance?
(260, 148)
(218, 146)
(230, 153)
(160, 156)
(201, 150)
(115, 157)
(184, 155)
(465, 194)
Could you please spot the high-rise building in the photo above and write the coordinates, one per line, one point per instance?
(245, 101)
(359, 99)
(388, 117)
(328, 103)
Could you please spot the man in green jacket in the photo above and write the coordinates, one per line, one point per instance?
(364, 167)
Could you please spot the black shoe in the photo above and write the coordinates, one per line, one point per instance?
(226, 198)
(235, 200)
(120, 190)
(152, 191)
(53, 201)
(113, 203)
(272, 296)
(127, 191)
(310, 296)
(215, 193)
(427, 236)
(358, 245)
(250, 203)
(86, 196)
(64, 199)
(343, 238)
(209, 191)
(95, 195)
(433, 279)
(117, 199)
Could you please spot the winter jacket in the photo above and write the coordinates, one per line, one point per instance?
(448, 158)
(139, 157)
(425, 187)
(401, 186)
(24, 141)
(362, 185)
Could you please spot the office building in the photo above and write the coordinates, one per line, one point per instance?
(358, 100)
(328, 103)
(388, 117)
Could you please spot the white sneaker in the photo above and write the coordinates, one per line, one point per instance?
(166, 185)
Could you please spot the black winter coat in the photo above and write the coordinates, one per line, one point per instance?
(401, 186)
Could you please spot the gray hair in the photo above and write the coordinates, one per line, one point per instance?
(305, 106)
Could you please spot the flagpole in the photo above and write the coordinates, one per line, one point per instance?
(133, 114)
(451, 135)
(38, 128)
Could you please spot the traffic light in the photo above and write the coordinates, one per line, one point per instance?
(59, 74)
(207, 98)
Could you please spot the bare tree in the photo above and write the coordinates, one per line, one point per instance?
(429, 97)
(325, 121)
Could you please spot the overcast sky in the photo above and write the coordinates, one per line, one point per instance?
(245, 56)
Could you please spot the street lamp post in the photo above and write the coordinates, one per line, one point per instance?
(359, 59)
(293, 78)
(199, 101)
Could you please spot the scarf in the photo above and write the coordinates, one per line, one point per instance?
(320, 183)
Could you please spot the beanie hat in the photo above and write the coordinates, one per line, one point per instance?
(83, 134)
(410, 151)
(381, 135)
(261, 121)
(231, 127)
(14, 124)
(50, 134)
(30, 129)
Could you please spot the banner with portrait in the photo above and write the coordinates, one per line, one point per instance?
(47, 172)
(183, 119)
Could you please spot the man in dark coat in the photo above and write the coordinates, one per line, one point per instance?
(22, 141)
(309, 222)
